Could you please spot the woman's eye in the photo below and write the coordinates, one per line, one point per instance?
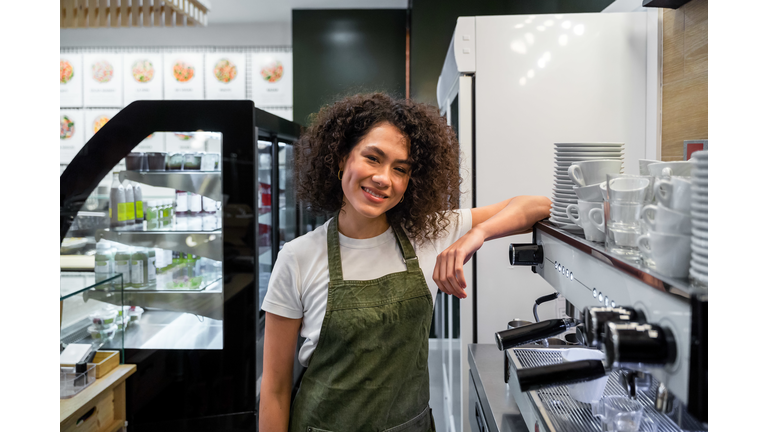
(401, 170)
(371, 158)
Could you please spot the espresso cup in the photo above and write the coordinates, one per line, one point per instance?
(586, 173)
(670, 252)
(591, 230)
(588, 193)
(674, 194)
(680, 168)
(665, 220)
(644, 165)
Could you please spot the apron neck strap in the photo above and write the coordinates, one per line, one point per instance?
(334, 251)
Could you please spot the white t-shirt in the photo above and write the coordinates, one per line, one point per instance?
(298, 287)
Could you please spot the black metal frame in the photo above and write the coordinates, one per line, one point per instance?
(194, 390)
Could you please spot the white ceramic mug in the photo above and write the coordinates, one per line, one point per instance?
(586, 173)
(679, 168)
(588, 193)
(670, 252)
(674, 194)
(665, 220)
(591, 230)
(589, 391)
(644, 165)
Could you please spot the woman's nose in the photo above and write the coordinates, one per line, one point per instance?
(381, 178)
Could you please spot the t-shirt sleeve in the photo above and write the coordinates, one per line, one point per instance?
(283, 293)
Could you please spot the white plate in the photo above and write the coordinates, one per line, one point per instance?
(698, 189)
(564, 191)
(699, 268)
(584, 158)
(702, 234)
(699, 206)
(560, 219)
(700, 181)
(559, 210)
(699, 215)
(699, 243)
(559, 155)
(699, 250)
(589, 144)
(565, 202)
(564, 184)
(699, 277)
(700, 224)
(700, 259)
(588, 149)
(567, 226)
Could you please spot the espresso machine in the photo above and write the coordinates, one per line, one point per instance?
(651, 329)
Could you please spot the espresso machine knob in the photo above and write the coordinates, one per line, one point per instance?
(595, 319)
(635, 346)
(526, 254)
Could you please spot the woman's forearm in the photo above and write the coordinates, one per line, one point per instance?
(517, 217)
(274, 410)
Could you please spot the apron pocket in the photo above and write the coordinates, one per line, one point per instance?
(314, 429)
(420, 423)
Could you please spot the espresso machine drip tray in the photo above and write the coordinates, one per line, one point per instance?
(555, 410)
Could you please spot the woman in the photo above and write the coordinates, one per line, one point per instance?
(355, 287)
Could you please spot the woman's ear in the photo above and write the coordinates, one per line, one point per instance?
(343, 162)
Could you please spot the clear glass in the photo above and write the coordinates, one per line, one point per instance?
(181, 300)
(622, 414)
(627, 195)
(287, 202)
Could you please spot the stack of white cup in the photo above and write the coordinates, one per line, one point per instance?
(587, 175)
(666, 246)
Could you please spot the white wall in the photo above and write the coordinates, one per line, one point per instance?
(234, 34)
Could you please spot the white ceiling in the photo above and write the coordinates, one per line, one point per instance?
(245, 11)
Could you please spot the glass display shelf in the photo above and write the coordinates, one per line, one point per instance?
(206, 302)
(76, 325)
(205, 183)
(197, 235)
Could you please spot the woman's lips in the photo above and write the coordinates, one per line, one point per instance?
(372, 197)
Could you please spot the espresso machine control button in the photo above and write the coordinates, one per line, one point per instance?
(526, 254)
(636, 345)
(596, 317)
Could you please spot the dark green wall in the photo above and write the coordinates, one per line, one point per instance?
(433, 21)
(342, 52)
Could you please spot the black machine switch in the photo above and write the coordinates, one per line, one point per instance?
(526, 254)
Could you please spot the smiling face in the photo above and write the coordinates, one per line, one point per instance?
(376, 174)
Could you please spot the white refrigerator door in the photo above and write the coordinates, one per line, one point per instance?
(542, 80)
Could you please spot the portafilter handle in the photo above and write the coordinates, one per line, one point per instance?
(595, 319)
(536, 378)
(511, 338)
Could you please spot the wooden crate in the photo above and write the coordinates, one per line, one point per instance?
(105, 361)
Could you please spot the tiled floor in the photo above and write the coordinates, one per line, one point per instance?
(437, 392)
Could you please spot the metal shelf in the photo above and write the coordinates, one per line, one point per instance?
(205, 183)
(176, 236)
(208, 302)
(675, 286)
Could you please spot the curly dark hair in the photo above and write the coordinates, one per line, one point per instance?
(434, 153)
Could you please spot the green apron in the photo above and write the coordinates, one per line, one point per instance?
(369, 370)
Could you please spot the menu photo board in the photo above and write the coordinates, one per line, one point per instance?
(71, 134)
(103, 80)
(71, 80)
(183, 76)
(155, 142)
(272, 79)
(224, 76)
(95, 119)
(143, 77)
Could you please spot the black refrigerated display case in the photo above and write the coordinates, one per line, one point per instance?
(198, 351)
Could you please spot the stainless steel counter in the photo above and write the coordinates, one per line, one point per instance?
(486, 368)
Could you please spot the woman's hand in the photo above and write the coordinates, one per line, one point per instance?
(449, 268)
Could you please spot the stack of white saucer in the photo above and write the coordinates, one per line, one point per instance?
(563, 194)
(699, 271)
